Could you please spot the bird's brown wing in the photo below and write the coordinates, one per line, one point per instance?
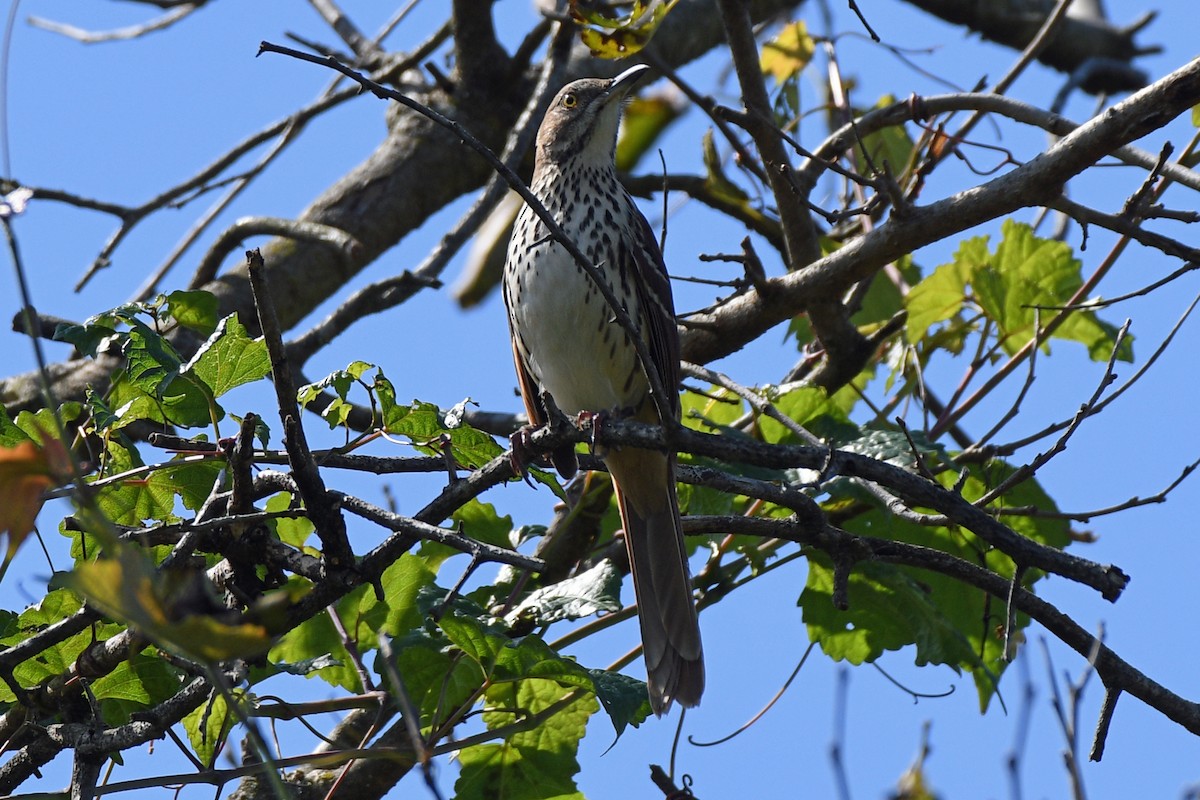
(645, 485)
(658, 309)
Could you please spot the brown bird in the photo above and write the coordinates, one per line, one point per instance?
(568, 345)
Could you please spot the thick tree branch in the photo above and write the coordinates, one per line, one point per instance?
(1038, 182)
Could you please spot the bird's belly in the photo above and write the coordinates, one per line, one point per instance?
(577, 351)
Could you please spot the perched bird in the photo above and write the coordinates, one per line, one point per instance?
(568, 345)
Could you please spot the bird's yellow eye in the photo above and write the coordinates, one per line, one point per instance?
(570, 100)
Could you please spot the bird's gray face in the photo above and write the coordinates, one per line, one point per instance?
(584, 116)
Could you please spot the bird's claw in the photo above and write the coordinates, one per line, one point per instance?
(521, 455)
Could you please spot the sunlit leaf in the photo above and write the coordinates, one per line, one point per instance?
(10, 433)
(152, 362)
(88, 338)
(948, 621)
(435, 679)
(230, 358)
(888, 610)
(613, 38)
(643, 123)
(293, 531)
(1008, 285)
(593, 591)
(788, 53)
(535, 763)
(127, 588)
(194, 309)
(208, 725)
(318, 639)
(424, 424)
(144, 679)
(889, 147)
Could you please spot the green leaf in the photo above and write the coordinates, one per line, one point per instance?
(595, 591)
(401, 582)
(191, 480)
(937, 298)
(152, 362)
(895, 447)
(55, 606)
(436, 681)
(537, 763)
(307, 666)
(813, 409)
(703, 501)
(883, 298)
(188, 402)
(888, 610)
(479, 643)
(134, 501)
(208, 725)
(624, 698)
(103, 417)
(480, 521)
(477, 520)
(42, 424)
(88, 337)
(262, 431)
(315, 638)
(144, 679)
(891, 148)
(363, 617)
(11, 434)
(293, 531)
(1024, 273)
(340, 382)
(505, 659)
(423, 423)
(152, 496)
(230, 358)
(196, 310)
(712, 410)
(891, 607)
(131, 404)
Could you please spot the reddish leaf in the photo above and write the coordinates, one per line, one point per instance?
(26, 471)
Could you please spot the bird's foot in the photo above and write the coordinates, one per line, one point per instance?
(522, 454)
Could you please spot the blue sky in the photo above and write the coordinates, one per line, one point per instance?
(122, 121)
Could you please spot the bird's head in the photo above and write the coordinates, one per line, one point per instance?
(583, 118)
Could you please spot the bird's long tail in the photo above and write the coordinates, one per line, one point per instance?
(645, 484)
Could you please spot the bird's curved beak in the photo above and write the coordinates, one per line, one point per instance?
(623, 83)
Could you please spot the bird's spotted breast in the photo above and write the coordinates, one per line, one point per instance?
(561, 316)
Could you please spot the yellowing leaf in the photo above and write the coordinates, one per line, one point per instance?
(620, 37)
(128, 588)
(788, 53)
(644, 121)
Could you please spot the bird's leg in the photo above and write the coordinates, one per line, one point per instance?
(561, 456)
(596, 420)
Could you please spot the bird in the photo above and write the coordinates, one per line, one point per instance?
(573, 356)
